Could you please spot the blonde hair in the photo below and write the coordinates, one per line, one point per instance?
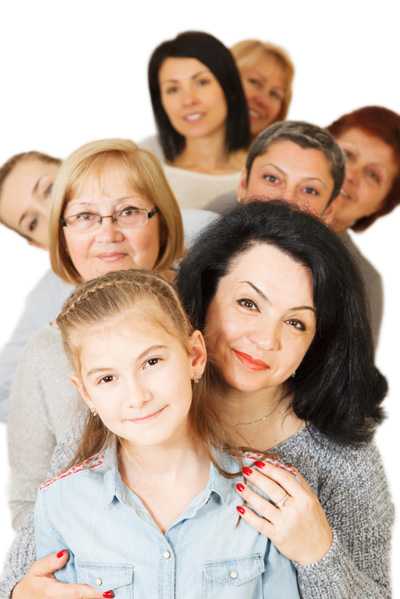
(146, 177)
(249, 52)
(108, 296)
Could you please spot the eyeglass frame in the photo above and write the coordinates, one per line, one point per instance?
(113, 216)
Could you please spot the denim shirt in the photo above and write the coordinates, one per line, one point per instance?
(115, 545)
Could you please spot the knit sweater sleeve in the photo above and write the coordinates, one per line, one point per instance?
(31, 440)
(357, 503)
(22, 552)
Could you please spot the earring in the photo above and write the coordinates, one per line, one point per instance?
(293, 374)
(196, 379)
(94, 413)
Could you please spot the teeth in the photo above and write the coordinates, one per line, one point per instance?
(345, 194)
(254, 114)
(193, 117)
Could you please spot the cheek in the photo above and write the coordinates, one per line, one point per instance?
(145, 245)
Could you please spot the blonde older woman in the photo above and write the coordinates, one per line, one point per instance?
(112, 210)
(267, 73)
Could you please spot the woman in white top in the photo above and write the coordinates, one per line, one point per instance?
(201, 116)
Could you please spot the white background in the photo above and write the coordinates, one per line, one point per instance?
(72, 71)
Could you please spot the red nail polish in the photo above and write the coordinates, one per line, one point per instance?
(61, 553)
(240, 487)
(240, 509)
(259, 464)
(247, 471)
(108, 594)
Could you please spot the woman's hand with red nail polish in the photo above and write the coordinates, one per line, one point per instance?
(39, 581)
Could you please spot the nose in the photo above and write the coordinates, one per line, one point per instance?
(352, 175)
(188, 96)
(137, 393)
(267, 336)
(109, 232)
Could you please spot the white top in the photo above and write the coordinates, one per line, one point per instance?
(192, 189)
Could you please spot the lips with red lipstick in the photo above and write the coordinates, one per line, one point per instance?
(250, 362)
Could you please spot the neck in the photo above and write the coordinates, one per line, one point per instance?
(168, 460)
(205, 154)
(260, 419)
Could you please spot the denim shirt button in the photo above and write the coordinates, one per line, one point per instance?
(99, 582)
(233, 574)
(166, 555)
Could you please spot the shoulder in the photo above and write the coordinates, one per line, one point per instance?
(78, 472)
(355, 473)
(45, 341)
(223, 203)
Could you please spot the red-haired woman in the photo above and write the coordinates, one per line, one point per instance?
(370, 138)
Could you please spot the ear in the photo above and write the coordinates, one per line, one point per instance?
(198, 354)
(80, 387)
(242, 186)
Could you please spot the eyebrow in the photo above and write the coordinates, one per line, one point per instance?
(78, 202)
(265, 297)
(139, 357)
(303, 178)
(191, 77)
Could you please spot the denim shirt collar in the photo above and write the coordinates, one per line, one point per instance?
(218, 487)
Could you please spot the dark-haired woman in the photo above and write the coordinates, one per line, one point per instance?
(283, 310)
(201, 116)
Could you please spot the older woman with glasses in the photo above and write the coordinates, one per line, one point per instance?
(112, 210)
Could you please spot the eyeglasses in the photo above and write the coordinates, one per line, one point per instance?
(127, 218)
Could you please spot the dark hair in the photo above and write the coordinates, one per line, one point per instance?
(384, 124)
(218, 59)
(337, 387)
(306, 136)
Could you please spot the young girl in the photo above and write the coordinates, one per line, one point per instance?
(148, 508)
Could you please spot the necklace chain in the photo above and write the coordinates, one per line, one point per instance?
(257, 420)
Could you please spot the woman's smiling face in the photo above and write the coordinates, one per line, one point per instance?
(262, 319)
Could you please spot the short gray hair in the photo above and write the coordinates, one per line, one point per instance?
(306, 136)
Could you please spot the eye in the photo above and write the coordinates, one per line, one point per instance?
(297, 324)
(204, 81)
(151, 362)
(107, 378)
(171, 90)
(348, 153)
(276, 95)
(48, 190)
(373, 175)
(85, 216)
(272, 179)
(255, 82)
(247, 303)
(128, 211)
(311, 191)
(33, 224)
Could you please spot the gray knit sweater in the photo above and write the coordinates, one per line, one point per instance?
(352, 489)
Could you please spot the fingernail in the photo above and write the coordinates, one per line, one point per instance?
(61, 553)
(240, 487)
(108, 594)
(259, 464)
(240, 509)
(247, 471)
